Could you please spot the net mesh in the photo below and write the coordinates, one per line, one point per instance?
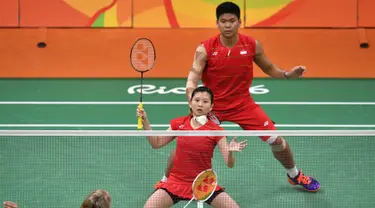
(60, 168)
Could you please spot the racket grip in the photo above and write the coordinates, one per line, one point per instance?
(140, 125)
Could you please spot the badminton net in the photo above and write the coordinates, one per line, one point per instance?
(59, 168)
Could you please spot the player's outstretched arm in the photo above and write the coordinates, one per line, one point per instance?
(195, 74)
(272, 70)
(155, 141)
(228, 149)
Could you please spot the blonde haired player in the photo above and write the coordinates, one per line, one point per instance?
(97, 199)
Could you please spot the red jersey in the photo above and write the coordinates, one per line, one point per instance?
(229, 72)
(193, 153)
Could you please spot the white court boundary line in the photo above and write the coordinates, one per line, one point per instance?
(167, 125)
(165, 103)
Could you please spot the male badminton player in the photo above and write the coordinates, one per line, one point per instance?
(193, 154)
(224, 63)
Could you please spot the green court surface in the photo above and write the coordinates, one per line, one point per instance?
(61, 171)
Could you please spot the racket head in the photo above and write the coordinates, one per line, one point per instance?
(204, 185)
(142, 55)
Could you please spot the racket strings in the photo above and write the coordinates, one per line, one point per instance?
(142, 55)
(204, 186)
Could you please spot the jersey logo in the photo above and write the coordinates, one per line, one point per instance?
(266, 123)
(214, 53)
(243, 52)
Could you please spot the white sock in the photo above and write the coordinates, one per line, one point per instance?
(164, 179)
(293, 172)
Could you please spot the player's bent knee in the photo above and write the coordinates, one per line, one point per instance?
(278, 145)
(269, 140)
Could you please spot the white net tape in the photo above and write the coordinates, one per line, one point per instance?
(186, 133)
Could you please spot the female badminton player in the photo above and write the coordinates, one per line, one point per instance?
(10, 204)
(193, 154)
(99, 198)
